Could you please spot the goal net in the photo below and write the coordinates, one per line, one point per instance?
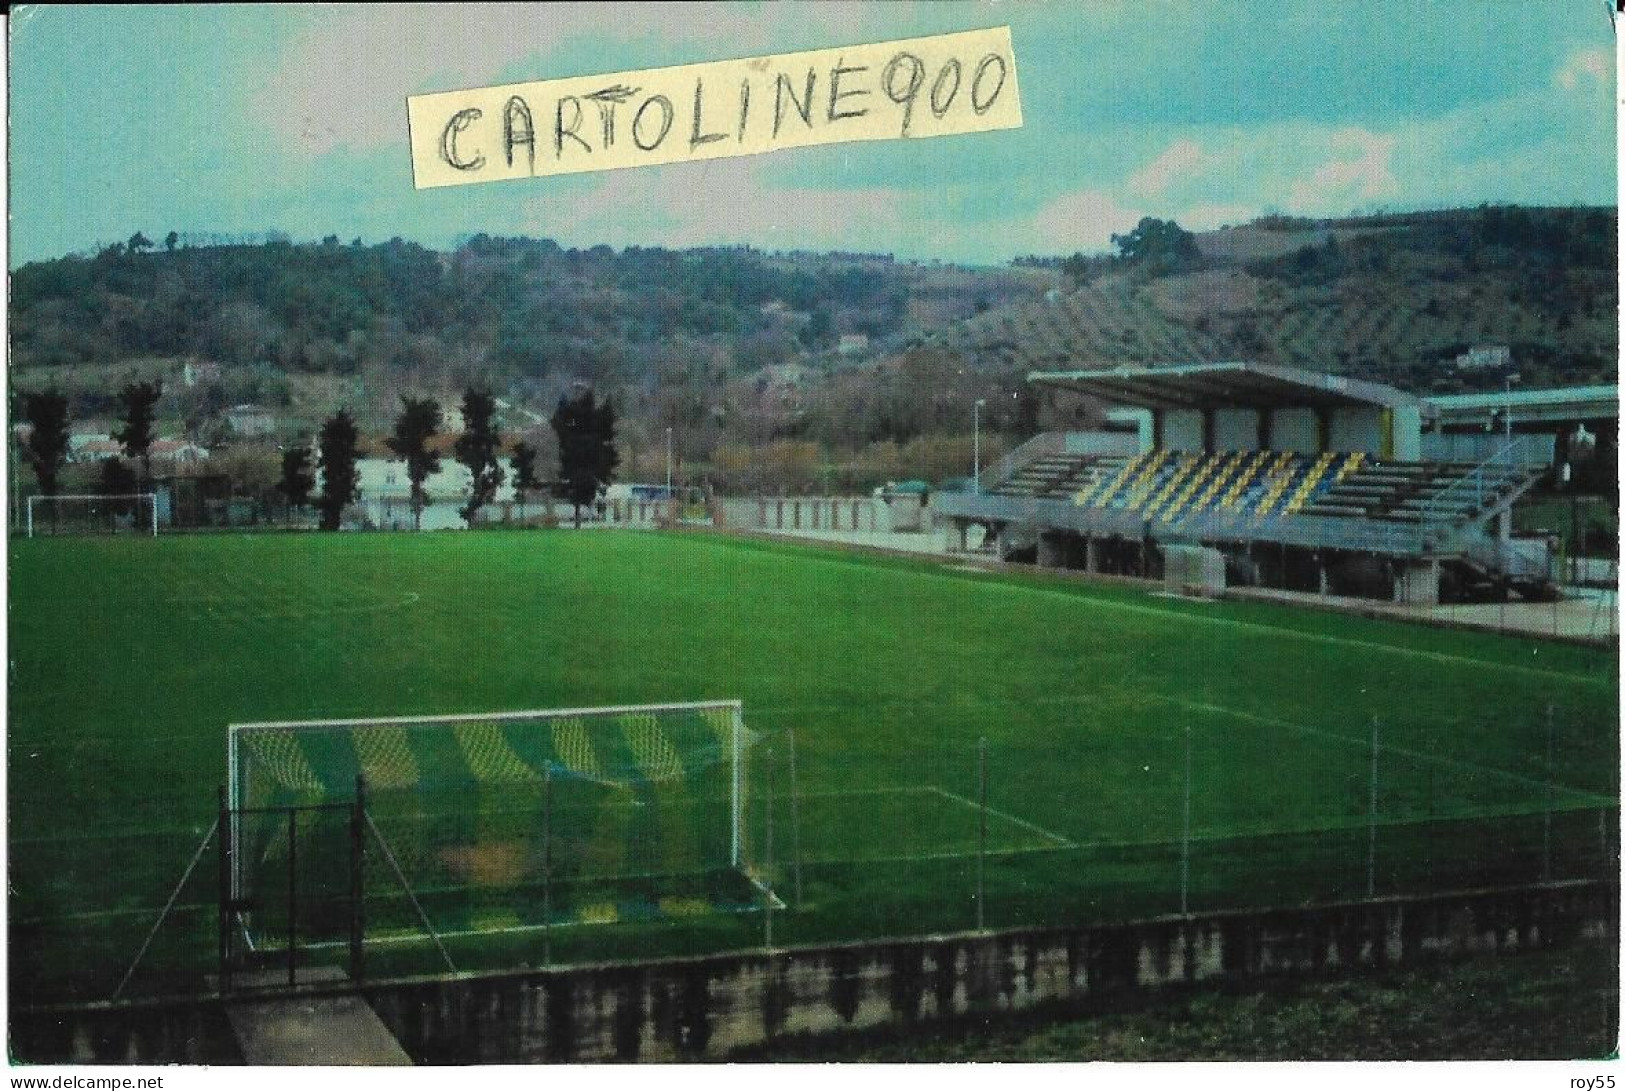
(85, 513)
(494, 822)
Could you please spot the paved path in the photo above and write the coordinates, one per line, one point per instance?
(1584, 614)
(933, 541)
(323, 1030)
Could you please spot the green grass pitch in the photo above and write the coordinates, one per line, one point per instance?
(129, 658)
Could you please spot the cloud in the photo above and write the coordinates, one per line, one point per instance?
(1084, 219)
(1358, 170)
(1179, 160)
(343, 79)
(1585, 64)
(727, 202)
(1206, 216)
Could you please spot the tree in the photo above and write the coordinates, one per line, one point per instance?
(297, 480)
(170, 240)
(138, 242)
(587, 454)
(1161, 246)
(477, 449)
(48, 442)
(140, 405)
(1076, 268)
(524, 473)
(337, 461)
(118, 480)
(417, 424)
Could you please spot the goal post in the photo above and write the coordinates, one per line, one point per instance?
(92, 513)
(499, 821)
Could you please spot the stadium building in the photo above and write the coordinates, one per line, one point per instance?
(1252, 474)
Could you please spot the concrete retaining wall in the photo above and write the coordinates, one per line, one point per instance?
(859, 513)
(705, 1008)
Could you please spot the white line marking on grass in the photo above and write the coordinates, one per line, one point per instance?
(236, 608)
(1295, 634)
(1365, 744)
(121, 835)
(1008, 817)
(1056, 841)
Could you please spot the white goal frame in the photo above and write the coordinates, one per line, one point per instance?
(736, 751)
(150, 497)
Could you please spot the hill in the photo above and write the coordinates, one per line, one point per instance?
(1392, 298)
(735, 349)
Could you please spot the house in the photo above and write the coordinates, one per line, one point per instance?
(178, 452)
(173, 452)
(250, 420)
(386, 493)
(194, 372)
(1485, 358)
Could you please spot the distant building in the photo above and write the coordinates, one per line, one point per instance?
(1485, 358)
(199, 371)
(179, 452)
(172, 452)
(386, 493)
(93, 448)
(87, 446)
(851, 344)
(250, 420)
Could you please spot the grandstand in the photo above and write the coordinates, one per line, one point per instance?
(1301, 480)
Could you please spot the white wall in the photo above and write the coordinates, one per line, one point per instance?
(1182, 429)
(1102, 443)
(1475, 447)
(1408, 434)
(1294, 430)
(1235, 429)
(1140, 419)
(1357, 428)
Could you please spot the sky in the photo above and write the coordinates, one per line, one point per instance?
(240, 120)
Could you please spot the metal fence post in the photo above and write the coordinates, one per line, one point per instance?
(1185, 834)
(226, 894)
(293, 892)
(1546, 818)
(981, 834)
(795, 820)
(358, 885)
(547, 864)
(767, 862)
(1371, 818)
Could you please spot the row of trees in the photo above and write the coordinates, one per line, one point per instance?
(584, 426)
(47, 446)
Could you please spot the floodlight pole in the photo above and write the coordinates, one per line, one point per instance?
(668, 465)
(976, 445)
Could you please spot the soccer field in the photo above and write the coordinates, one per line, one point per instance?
(129, 658)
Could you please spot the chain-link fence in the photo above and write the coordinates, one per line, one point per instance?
(925, 836)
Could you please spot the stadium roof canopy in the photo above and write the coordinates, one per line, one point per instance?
(1224, 386)
(1559, 405)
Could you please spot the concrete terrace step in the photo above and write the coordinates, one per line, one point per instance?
(307, 1030)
